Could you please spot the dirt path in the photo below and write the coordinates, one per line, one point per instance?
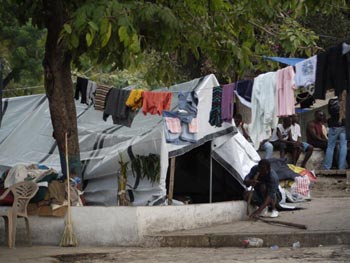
(330, 186)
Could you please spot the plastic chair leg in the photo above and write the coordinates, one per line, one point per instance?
(12, 227)
(6, 230)
(29, 233)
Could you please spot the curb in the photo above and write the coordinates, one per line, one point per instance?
(306, 239)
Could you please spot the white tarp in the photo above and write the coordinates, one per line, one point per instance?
(26, 137)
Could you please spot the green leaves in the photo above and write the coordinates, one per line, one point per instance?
(67, 28)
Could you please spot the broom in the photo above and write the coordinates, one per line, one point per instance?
(68, 238)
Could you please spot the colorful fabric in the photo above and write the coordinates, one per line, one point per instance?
(302, 186)
(100, 96)
(156, 102)
(193, 126)
(285, 91)
(135, 99)
(215, 113)
(173, 124)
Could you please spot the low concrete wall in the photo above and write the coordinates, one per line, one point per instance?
(127, 226)
(315, 162)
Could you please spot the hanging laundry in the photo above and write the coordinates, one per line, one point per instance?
(244, 89)
(193, 126)
(332, 72)
(81, 87)
(156, 102)
(215, 113)
(115, 106)
(305, 72)
(285, 91)
(185, 135)
(227, 102)
(173, 124)
(188, 101)
(90, 92)
(264, 117)
(100, 97)
(135, 99)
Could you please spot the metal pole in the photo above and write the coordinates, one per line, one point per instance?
(211, 176)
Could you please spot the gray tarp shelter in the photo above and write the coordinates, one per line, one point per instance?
(26, 137)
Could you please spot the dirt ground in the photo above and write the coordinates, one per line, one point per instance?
(330, 186)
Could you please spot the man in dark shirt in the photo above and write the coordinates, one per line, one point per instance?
(314, 133)
(265, 182)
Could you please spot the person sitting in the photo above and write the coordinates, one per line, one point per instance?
(336, 131)
(282, 140)
(265, 182)
(243, 129)
(296, 136)
(314, 132)
(241, 126)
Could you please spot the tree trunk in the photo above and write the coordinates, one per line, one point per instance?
(59, 86)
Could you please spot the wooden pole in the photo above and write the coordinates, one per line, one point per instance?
(211, 176)
(275, 222)
(171, 181)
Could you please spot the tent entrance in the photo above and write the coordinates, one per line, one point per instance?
(192, 178)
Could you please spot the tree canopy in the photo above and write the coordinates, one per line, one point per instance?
(227, 37)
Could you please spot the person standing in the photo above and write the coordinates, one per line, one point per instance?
(336, 131)
(296, 136)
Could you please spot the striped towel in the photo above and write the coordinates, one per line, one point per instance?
(215, 113)
(100, 97)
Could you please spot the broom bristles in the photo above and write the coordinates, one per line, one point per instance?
(68, 238)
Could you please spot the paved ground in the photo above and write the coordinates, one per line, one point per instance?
(183, 255)
(327, 221)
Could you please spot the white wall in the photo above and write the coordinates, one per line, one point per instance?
(127, 226)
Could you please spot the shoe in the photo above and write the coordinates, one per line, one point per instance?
(274, 214)
(265, 211)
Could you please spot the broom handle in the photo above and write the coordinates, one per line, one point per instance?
(68, 184)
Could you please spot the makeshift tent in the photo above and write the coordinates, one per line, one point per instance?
(26, 137)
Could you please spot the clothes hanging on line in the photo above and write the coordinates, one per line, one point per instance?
(305, 72)
(90, 92)
(156, 102)
(215, 112)
(244, 88)
(186, 133)
(227, 102)
(100, 96)
(285, 91)
(264, 117)
(116, 107)
(81, 88)
(135, 99)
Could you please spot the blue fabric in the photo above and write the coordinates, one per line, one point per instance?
(188, 101)
(334, 134)
(244, 89)
(287, 61)
(183, 137)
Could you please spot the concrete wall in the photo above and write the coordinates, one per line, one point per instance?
(127, 226)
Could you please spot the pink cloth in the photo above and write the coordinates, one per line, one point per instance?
(173, 124)
(156, 102)
(285, 91)
(302, 185)
(193, 126)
